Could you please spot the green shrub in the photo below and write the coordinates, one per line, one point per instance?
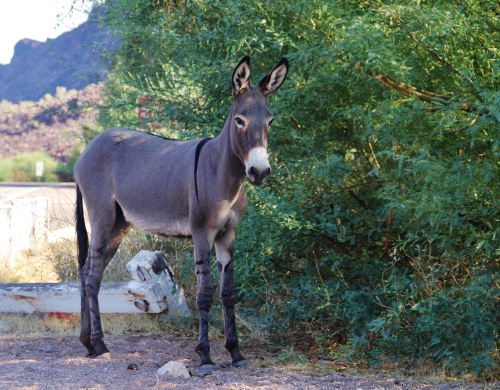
(5, 173)
(66, 172)
(458, 325)
(23, 167)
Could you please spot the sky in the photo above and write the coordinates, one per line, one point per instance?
(37, 20)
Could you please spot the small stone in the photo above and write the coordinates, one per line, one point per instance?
(133, 367)
(203, 374)
(175, 369)
(46, 349)
(104, 356)
(396, 382)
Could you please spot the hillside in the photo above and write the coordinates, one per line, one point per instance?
(52, 125)
(38, 68)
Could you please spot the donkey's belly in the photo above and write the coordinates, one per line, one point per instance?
(159, 225)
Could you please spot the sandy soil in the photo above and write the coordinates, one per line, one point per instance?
(58, 363)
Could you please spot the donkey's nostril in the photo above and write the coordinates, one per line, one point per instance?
(267, 172)
(252, 171)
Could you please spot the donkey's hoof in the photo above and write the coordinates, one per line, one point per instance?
(241, 364)
(90, 355)
(207, 367)
(104, 356)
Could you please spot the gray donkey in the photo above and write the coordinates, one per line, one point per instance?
(179, 189)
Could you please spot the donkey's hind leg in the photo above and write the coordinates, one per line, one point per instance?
(85, 315)
(120, 229)
(105, 238)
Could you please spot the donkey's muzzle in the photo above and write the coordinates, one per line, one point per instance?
(257, 176)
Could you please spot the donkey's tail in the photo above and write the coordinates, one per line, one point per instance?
(81, 230)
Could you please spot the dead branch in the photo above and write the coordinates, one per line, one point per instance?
(426, 96)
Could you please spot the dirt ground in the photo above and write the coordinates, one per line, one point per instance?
(59, 363)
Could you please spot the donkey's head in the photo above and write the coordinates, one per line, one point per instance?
(250, 118)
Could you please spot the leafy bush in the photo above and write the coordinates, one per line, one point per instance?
(66, 172)
(436, 327)
(5, 174)
(385, 143)
(23, 167)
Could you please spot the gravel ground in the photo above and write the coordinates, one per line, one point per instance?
(58, 363)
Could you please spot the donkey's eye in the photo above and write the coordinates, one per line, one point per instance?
(271, 121)
(239, 122)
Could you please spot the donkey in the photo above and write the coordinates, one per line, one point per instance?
(179, 189)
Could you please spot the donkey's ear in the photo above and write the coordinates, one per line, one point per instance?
(241, 76)
(271, 82)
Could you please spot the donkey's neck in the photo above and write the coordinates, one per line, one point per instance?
(230, 170)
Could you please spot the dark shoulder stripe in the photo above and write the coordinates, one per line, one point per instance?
(196, 159)
(156, 135)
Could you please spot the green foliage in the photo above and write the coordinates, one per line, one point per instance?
(22, 168)
(436, 326)
(5, 173)
(66, 171)
(380, 223)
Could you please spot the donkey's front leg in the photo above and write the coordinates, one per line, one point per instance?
(224, 248)
(204, 297)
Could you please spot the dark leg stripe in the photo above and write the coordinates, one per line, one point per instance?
(196, 159)
(229, 266)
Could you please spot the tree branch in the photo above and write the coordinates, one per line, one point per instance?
(425, 96)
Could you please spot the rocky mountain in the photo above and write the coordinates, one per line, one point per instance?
(38, 68)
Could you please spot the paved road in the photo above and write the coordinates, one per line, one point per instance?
(62, 196)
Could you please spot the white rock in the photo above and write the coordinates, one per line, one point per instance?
(174, 369)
